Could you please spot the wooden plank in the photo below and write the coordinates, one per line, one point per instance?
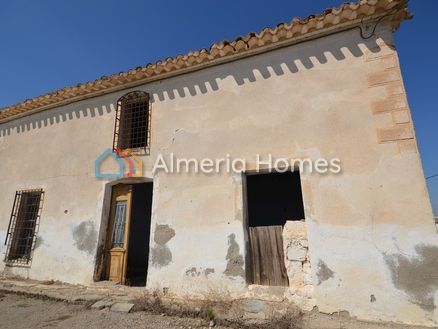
(275, 274)
(263, 256)
(255, 258)
(267, 256)
(284, 280)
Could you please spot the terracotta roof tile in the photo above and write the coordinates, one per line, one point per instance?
(344, 16)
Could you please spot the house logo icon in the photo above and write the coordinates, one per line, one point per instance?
(121, 157)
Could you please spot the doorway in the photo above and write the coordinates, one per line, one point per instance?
(272, 199)
(128, 234)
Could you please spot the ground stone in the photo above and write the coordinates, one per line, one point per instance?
(252, 306)
(102, 304)
(122, 307)
(82, 297)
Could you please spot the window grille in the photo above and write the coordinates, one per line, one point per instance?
(23, 226)
(119, 224)
(132, 124)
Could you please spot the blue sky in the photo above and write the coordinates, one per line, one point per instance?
(50, 44)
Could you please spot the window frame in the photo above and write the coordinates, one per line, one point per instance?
(120, 124)
(12, 256)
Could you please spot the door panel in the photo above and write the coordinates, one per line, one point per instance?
(118, 233)
(267, 256)
(116, 264)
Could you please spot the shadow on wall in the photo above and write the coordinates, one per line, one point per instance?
(303, 57)
(85, 108)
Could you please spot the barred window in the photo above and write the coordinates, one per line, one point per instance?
(23, 226)
(132, 125)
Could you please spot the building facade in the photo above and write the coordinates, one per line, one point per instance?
(361, 240)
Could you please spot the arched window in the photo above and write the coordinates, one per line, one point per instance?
(132, 126)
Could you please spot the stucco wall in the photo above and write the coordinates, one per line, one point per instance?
(370, 229)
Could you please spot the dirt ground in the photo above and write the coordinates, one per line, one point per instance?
(18, 312)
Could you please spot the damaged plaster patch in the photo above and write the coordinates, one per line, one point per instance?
(160, 254)
(194, 272)
(323, 272)
(208, 271)
(416, 276)
(85, 236)
(163, 233)
(234, 258)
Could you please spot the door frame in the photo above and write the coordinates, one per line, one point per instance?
(100, 269)
(249, 266)
(245, 221)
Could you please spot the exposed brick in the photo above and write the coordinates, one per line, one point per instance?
(388, 62)
(401, 116)
(383, 77)
(408, 145)
(391, 103)
(399, 132)
(395, 88)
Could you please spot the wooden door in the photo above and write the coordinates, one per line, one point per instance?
(118, 233)
(267, 256)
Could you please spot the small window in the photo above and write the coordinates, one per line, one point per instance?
(132, 126)
(23, 226)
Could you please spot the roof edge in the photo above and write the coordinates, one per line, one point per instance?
(335, 20)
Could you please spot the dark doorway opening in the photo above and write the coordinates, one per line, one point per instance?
(272, 199)
(138, 247)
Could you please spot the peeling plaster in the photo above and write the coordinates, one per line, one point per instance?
(234, 258)
(416, 276)
(323, 272)
(85, 236)
(161, 254)
(194, 272)
(208, 271)
(163, 233)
